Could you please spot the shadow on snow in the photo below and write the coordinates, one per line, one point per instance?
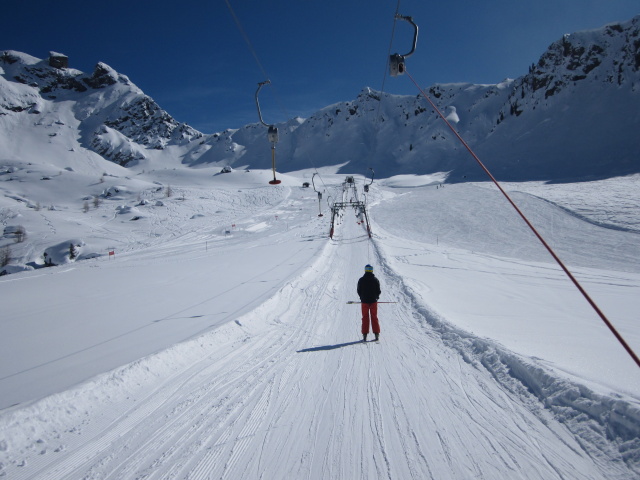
(329, 347)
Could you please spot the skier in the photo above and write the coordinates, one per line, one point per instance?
(369, 292)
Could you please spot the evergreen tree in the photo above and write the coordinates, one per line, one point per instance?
(5, 256)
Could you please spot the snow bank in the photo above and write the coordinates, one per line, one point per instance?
(64, 252)
(412, 181)
(608, 426)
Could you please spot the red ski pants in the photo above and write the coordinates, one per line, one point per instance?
(370, 309)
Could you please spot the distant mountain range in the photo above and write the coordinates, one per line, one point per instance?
(574, 116)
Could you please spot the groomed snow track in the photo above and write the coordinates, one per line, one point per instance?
(289, 391)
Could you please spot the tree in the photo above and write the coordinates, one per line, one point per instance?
(85, 207)
(5, 256)
(73, 252)
(168, 192)
(20, 234)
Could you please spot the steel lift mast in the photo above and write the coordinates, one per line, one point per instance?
(359, 206)
(272, 134)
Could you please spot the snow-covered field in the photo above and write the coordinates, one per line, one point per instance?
(217, 341)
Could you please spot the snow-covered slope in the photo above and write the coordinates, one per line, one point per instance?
(221, 329)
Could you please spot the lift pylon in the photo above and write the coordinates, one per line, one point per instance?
(349, 199)
(272, 134)
(319, 195)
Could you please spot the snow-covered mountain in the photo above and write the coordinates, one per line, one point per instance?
(105, 111)
(573, 116)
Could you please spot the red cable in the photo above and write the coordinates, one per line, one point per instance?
(533, 229)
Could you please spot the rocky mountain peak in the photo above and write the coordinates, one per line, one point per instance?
(610, 55)
(109, 102)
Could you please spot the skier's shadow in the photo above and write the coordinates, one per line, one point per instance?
(328, 347)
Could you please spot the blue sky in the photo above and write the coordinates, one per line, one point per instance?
(192, 59)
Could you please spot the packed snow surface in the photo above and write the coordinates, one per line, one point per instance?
(217, 341)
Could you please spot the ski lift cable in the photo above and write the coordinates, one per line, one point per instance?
(273, 131)
(246, 39)
(584, 293)
(377, 117)
(264, 73)
(386, 67)
(384, 76)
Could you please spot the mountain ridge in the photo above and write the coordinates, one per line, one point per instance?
(571, 117)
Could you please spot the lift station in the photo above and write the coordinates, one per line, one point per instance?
(349, 200)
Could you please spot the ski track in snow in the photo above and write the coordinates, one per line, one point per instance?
(288, 391)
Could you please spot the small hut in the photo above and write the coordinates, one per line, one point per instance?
(58, 60)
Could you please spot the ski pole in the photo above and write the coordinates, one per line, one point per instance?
(351, 302)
